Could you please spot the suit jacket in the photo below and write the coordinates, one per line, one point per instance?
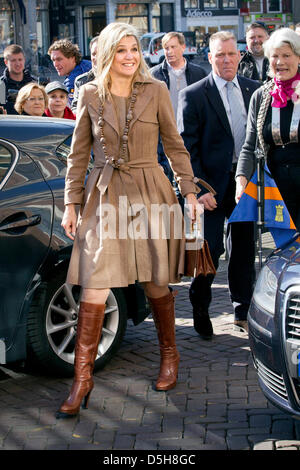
(204, 126)
(193, 73)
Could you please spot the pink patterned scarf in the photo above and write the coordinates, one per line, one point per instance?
(283, 89)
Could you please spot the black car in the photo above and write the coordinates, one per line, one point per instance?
(274, 327)
(38, 310)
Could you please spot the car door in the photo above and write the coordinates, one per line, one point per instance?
(26, 213)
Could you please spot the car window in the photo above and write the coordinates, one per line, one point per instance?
(6, 161)
(63, 150)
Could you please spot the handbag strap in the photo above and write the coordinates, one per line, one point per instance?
(205, 184)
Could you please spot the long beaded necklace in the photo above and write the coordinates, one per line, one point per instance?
(116, 163)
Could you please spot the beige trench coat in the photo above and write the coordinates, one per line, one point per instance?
(114, 197)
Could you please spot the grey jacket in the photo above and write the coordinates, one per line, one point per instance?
(258, 107)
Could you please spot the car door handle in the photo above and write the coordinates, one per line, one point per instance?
(26, 222)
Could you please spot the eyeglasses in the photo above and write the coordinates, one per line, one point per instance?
(31, 99)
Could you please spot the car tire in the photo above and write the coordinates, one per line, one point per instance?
(51, 327)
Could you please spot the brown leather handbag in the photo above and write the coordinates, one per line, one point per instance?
(198, 261)
(197, 255)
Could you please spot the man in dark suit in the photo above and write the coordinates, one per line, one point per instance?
(212, 123)
(177, 73)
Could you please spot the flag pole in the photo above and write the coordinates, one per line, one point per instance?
(260, 161)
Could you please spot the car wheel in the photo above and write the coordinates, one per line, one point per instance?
(52, 322)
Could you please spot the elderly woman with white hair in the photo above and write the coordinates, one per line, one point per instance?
(273, 122)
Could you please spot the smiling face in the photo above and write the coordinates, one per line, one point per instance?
(127, 58)
(255, 39)
(224, 58)
(35, 103)
(284, 62)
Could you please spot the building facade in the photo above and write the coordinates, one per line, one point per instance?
(274, 13)
(35, 24)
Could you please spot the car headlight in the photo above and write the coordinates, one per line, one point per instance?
(264, 294)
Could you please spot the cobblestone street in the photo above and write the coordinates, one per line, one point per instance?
(217, 404)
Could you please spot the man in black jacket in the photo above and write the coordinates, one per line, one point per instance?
(14, 76)
(177, 73)
(254, 64)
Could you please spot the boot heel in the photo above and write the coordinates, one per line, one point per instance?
(86, 400)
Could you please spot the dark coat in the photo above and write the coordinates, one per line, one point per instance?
(79, 81)
(204, 126)
(247, 67)
(12, 88)
(193, 73)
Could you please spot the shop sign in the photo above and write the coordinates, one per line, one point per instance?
(269, 18)
(196, 13)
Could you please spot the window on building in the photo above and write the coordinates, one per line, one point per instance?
(211, 3)
(255, 6)
(42, 29)
(191, 4)
(231, 28)
(156, 18)
(229, 4)
(94, 20)
(7, 28)
(200, 34)
(136, 14)
(166, 17)
(274, 5)
(61, 21)
(212, 29)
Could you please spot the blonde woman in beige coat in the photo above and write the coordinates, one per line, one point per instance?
(120, 115)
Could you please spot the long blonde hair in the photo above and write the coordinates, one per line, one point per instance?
(108, 41)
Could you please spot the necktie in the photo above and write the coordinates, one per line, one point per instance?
(237, 120)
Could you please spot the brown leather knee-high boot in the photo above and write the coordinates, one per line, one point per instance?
(164, 318)
(89, 329)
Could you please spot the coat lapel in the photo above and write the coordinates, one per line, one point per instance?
(109, 112)
(143, 98)
(215, 99)
(110, 115)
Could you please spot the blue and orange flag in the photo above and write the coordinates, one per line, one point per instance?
(276, 216)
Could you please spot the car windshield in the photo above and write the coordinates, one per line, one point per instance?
(145, 43)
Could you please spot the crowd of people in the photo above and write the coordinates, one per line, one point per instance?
(198, 128)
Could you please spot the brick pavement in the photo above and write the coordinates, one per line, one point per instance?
(217, 404)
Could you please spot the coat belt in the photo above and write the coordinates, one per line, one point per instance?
(107, 171)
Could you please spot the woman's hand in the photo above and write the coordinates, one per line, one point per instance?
(241, 183)
(69, 221)
(194, 206)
